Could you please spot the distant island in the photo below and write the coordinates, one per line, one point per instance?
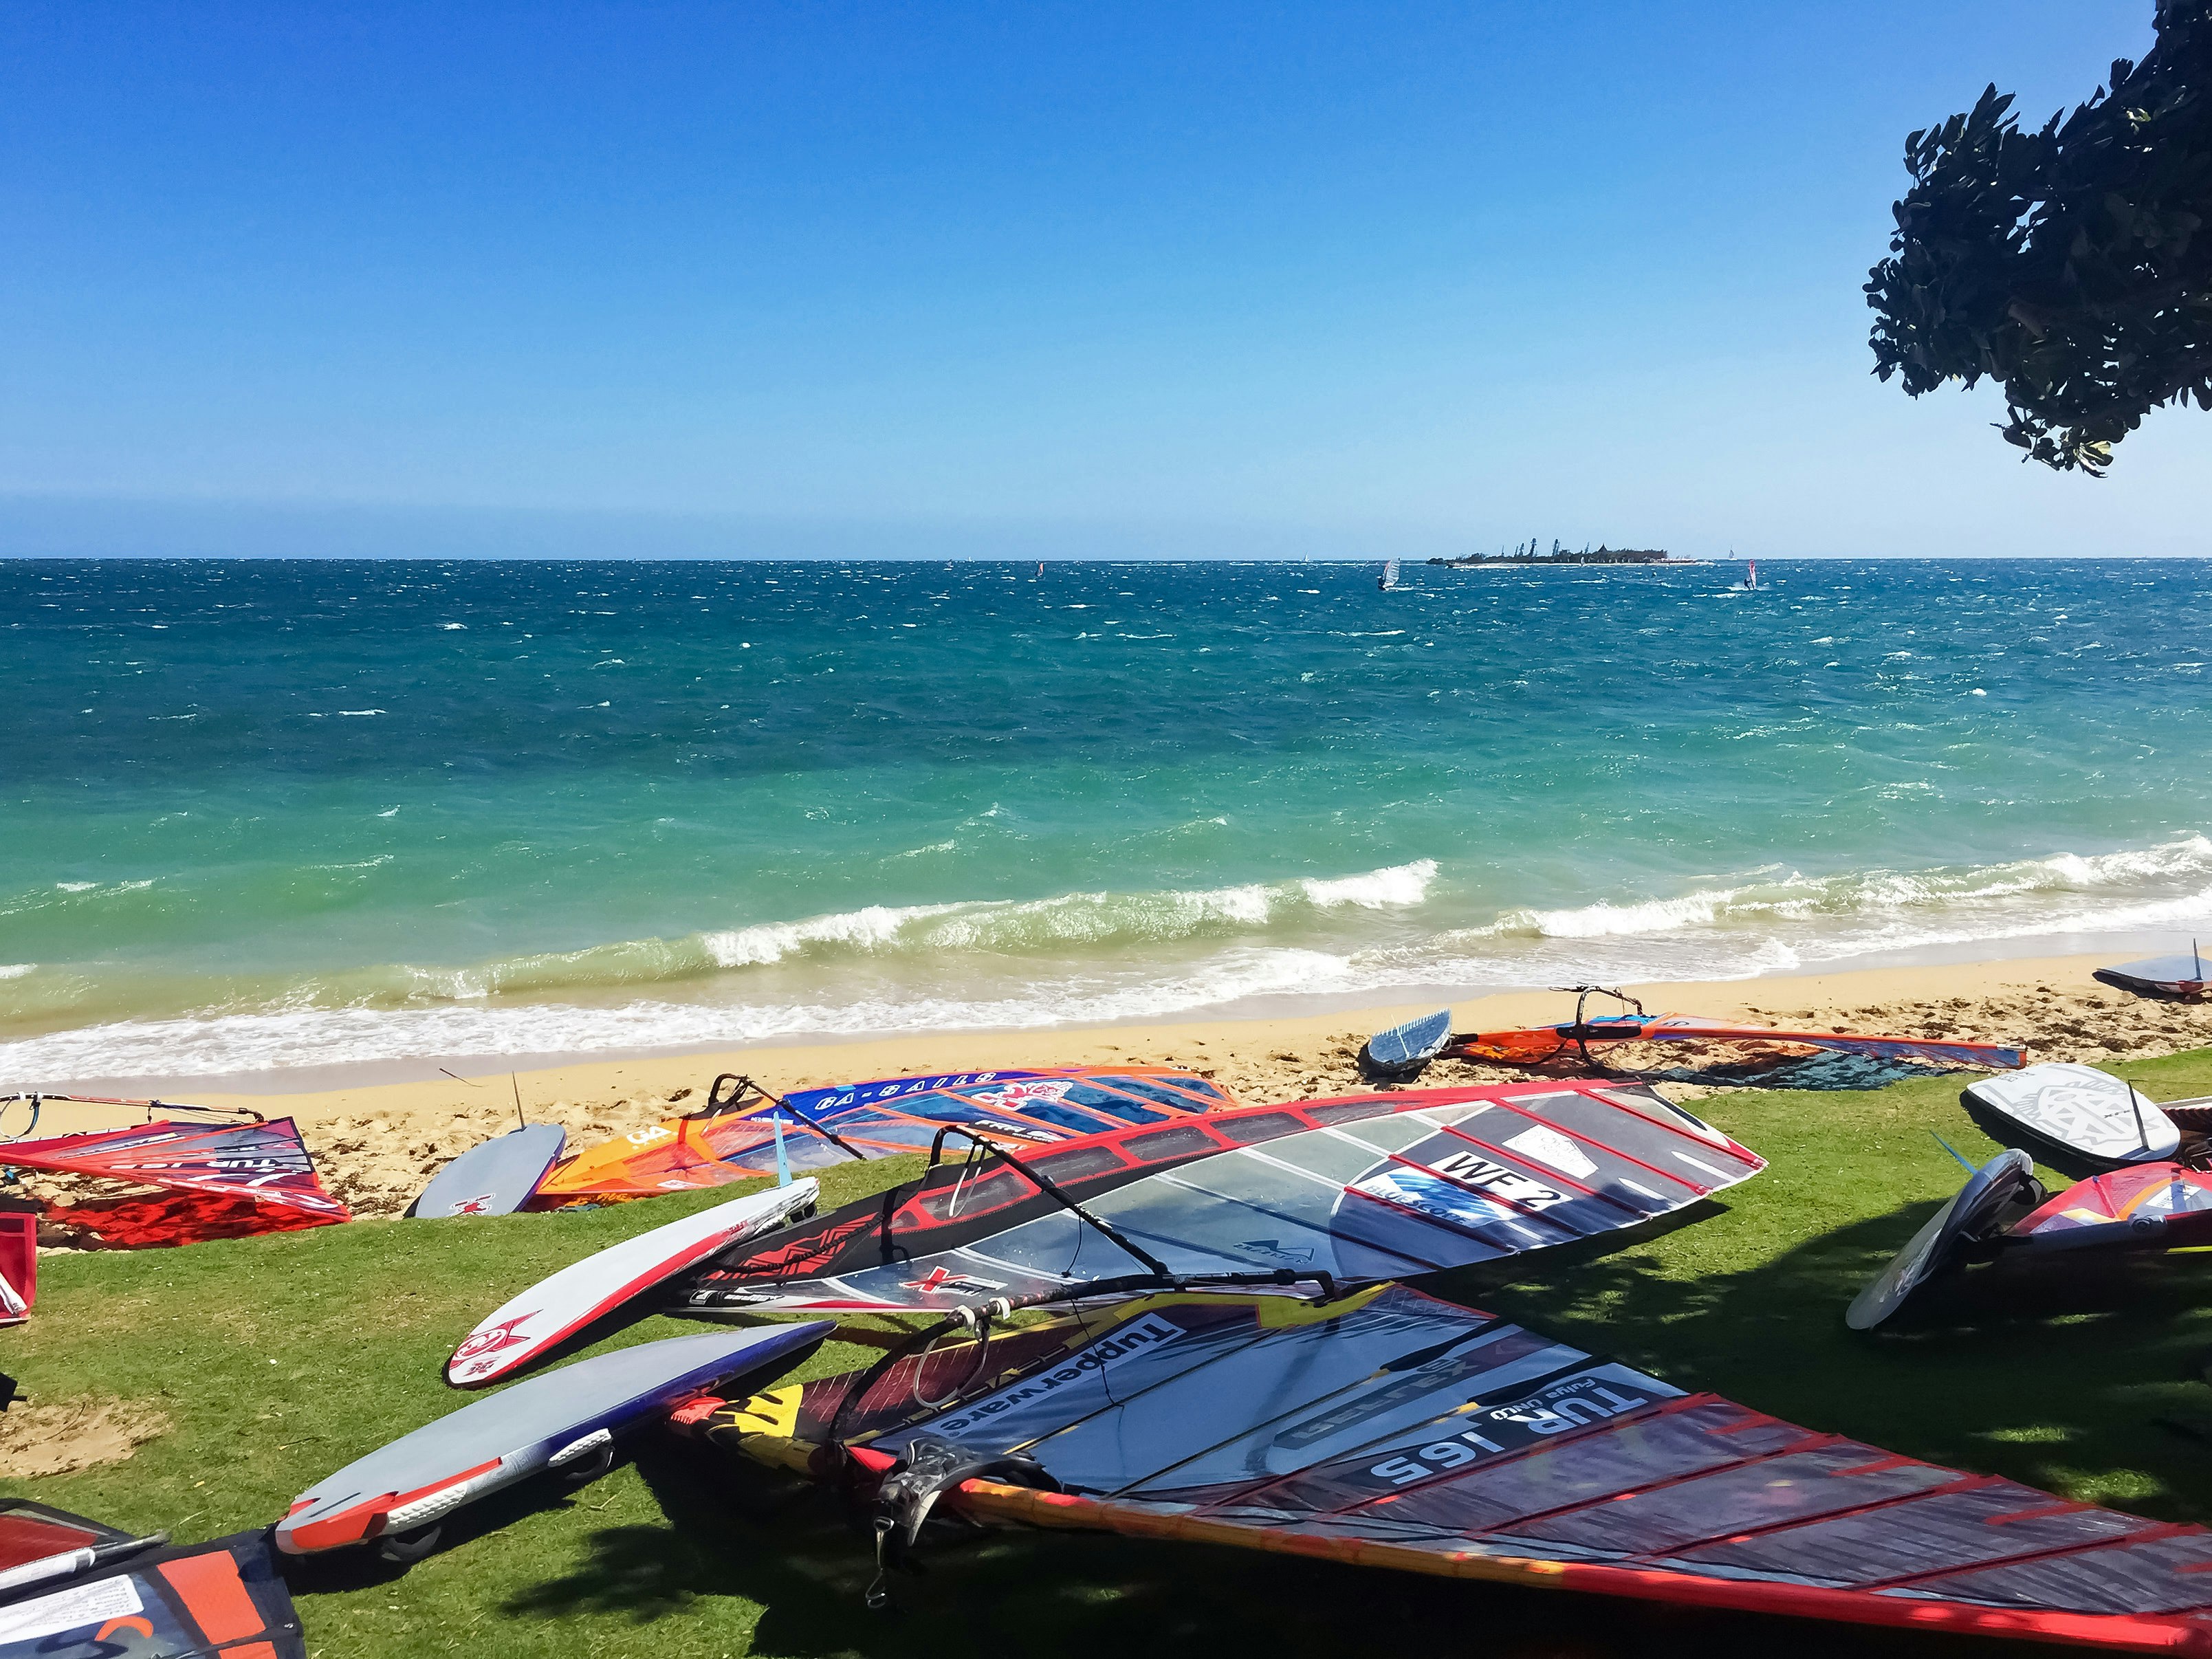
(1527, 553)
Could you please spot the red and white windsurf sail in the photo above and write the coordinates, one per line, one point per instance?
(1380, 1186)
(267, 1162)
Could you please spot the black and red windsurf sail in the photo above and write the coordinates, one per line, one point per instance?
(1388, 1429)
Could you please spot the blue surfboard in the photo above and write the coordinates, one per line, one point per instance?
(1410, 1046)
(495, 1178)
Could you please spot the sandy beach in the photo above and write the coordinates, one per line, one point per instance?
(378, 1143)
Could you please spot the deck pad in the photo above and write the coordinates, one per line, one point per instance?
(2079, 1109)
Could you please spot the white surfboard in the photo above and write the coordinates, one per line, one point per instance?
(2079, 1109)
(565, 1419)
(495, 1177)
(522, 1330)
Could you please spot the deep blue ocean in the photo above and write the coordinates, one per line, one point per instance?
(276, 813)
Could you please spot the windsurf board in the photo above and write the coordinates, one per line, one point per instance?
(557, 1419)
(2006, 1183)
(1409, 1047)
(2078, 1109)
(2163, 979)
(495, 1178)
(523, 1328)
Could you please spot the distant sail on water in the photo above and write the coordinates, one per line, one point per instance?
(1389, 575)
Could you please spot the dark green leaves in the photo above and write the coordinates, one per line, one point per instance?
(2070, 264)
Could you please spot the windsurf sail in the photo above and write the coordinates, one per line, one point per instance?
(1575, 1039)
(2163, 979)
(2162, 1206)
(159, 1219)
(19, 1265)
(892, 1115)
(1370, 1187)
(41, 1545)
(1388, 1429)
(192, 1603)
(264, 1166)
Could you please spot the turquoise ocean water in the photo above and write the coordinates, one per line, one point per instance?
(260, 814)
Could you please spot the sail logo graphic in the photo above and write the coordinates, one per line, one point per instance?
(474, 1357)
(1139, 1337)
(1008, 1097)
(1595, 1396)
(940, 1278)
(1416, 1190)
(1471, 1169)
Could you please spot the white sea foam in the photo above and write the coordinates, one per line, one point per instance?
(326, 1037)
(16, 969)
(1871, 894)
(1082, 957)
(865, 929)
(1378, 890)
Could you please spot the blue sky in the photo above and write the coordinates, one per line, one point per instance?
(933, 278)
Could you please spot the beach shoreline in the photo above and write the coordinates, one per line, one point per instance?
(379, 1141)
(1904, 973)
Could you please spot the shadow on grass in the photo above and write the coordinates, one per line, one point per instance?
(2051, 1373)
(1094, 1593)
(360, 1567)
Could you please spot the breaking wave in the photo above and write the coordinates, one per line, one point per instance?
(233, 1043)
(1093, 921)
(1081, 958)
(1882, 894)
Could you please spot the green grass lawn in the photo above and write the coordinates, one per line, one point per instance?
(279, 1359)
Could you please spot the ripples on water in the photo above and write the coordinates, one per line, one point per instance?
(272, 813)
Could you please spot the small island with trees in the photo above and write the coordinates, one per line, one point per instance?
(1528, 553)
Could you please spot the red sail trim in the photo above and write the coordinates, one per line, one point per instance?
(1553, 1175)
(1587, 1140)
(2176, 1633)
